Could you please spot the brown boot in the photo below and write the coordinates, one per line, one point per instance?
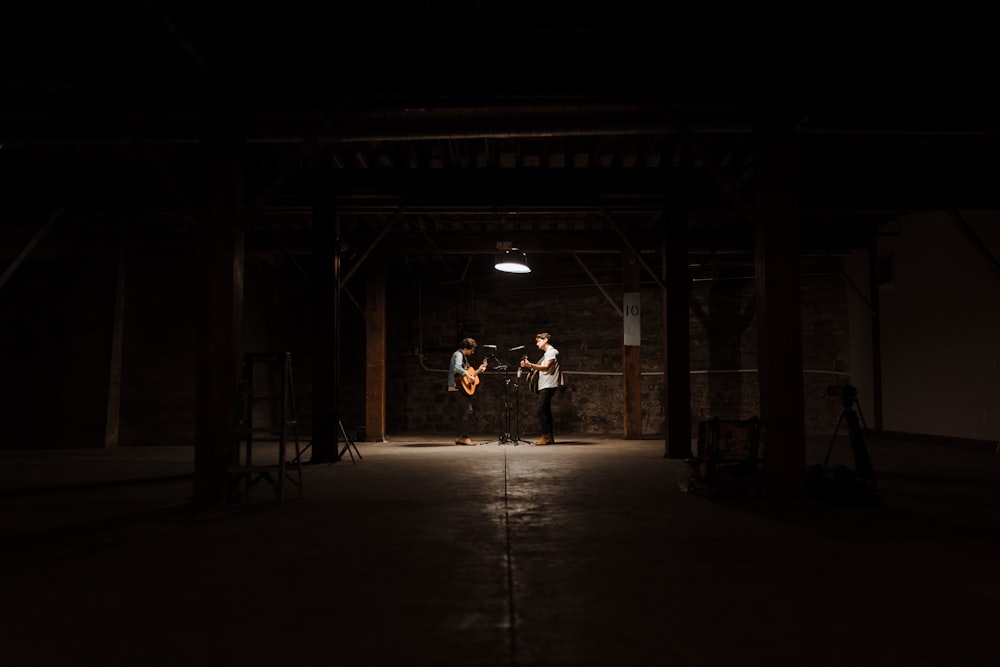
(544, 440)
(464, 441)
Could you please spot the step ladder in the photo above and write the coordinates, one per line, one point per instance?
(266, 423)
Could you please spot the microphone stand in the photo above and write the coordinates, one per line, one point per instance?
(506, 437)
(517, 408)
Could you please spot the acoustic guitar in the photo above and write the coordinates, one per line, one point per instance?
(468, 383)
(532, 378)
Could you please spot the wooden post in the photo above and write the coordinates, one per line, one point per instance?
(326, 335)
(631, 367)
(113, 418)
(876, 300)
(779, 314)
(375, 349)
(219, 306)
(676, 337)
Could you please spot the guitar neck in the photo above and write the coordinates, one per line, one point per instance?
(473, 371)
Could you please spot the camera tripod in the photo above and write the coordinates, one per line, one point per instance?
(862, 462)
(506, 406)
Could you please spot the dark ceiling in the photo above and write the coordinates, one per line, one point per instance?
(531, 118)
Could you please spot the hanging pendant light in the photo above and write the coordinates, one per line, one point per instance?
(512, 261)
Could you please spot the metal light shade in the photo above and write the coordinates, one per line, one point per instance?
(513, 261)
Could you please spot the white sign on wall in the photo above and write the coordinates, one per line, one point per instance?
(631, 312)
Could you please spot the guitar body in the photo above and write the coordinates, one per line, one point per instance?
(468, 383)
(532, 378)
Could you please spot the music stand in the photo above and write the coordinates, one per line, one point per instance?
(506, 436)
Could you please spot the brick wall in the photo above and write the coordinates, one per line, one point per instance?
(425, 324)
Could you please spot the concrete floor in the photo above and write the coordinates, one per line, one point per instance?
(587, 552)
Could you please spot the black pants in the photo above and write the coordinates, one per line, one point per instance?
(462, 406)
(544, 410)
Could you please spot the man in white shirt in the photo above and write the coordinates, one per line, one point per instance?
(549, 380)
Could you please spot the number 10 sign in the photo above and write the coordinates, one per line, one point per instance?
(631, 317)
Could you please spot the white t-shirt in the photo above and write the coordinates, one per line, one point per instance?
(551, 378)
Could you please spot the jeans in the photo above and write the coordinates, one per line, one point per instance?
(462, 406)
(544, 409)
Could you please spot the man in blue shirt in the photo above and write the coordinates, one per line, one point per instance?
(462, 382)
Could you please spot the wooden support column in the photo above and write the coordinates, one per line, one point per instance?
(779, 317)
(219, 306)
(876, 301)
(112, 422)
(326, 335)
(631, 367)
(375, 349)
(676, 336)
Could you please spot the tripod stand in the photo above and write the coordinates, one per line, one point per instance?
(506, 406)
(348, 448)
(862, 463)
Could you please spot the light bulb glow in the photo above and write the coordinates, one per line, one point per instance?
(513, 261)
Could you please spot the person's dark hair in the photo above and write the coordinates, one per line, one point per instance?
(544, 335)
(468, 344)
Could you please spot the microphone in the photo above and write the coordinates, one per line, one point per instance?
(490, 347)
(515, 349)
